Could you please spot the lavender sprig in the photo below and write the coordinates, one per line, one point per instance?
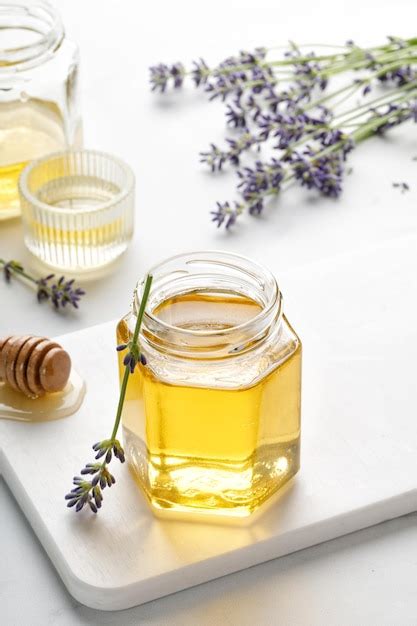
(309, 71)
(215, 157)
(90, 492)
(320, 169)
(60, 293)
(162, 76)
(283, 106)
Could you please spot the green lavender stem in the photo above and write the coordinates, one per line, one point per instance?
(60, 293)
(134, 342)
(86, 492)
(337, 63)
(365, 130)
(18, 270)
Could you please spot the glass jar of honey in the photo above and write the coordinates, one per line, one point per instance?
(38, 91)
(211, 423)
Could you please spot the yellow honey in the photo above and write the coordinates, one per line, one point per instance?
(27, 130)
(223, 447)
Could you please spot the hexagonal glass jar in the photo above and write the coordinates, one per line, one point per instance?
(211, 424)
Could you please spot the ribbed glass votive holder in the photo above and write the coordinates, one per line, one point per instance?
(77, 209)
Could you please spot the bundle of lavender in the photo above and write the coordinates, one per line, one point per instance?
(287, 106)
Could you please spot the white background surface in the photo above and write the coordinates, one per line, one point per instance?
(367, 578)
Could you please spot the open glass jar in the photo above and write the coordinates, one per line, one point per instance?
(211, 424)
(38, 91)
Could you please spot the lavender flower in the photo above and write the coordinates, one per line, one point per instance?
(200, 72)
(256, 182)
(133, 355)
(177, 74)
(278, 106)
(215, 158)
(89, 492)
(324, 173)
(243, 110)
(308, 73)
(335, 137)
(287, 127)
(226, 214)
(275, 99)
(225, 85)
(393, 115)
(161, 76)
(236, 116)
(399, 76)
(59, 293)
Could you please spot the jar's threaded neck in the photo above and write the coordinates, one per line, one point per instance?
(215, 272)
(30, 31)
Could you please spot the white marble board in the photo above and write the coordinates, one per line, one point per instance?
(356, 315)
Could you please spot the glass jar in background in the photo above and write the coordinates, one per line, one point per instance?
(211, 424)
(77, 209)
(38, 91)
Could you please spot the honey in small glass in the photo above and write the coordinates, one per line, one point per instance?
(212, 423)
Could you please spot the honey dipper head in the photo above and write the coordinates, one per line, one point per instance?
(55, 370)
(33, 365)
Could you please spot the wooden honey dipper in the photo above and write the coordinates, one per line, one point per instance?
(33, 365)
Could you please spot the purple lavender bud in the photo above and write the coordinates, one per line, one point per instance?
(220, 214)
(97, 499)
(256, 208)
(162, 75)
(200, 72)
(230, 220)
(235, 116)
(60, 293)
(214, 158)
(177, 73)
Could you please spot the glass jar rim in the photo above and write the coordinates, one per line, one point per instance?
(38, 16)
(234, 339)
(85, 156)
